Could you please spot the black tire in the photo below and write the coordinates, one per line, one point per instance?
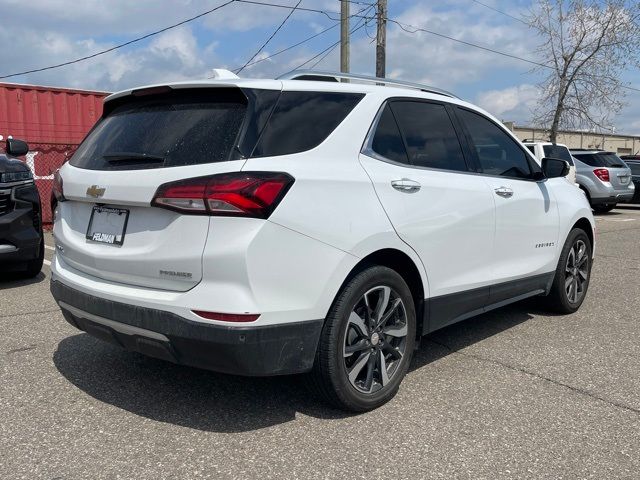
(559, 299)
(603, 208)
(330, 377)
(34, 266)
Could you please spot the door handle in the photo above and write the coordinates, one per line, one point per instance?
(405, 185)
(504, 192)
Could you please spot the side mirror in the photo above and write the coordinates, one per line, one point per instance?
(554, 167)
(16, 148)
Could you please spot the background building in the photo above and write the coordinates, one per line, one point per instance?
(53, 121)
(621, 144)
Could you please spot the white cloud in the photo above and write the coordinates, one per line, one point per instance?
(45, 32)
(510, 104)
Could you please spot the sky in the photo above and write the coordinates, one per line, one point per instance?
(40, 33)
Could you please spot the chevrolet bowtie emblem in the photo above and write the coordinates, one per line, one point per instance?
(95, 191)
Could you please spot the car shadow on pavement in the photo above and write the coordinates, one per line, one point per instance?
(9, 280)
(209, 401)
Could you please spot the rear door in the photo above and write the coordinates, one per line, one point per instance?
(440, 209)
(527, 220)
(107, 227)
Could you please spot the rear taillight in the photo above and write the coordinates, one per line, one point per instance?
(602, 174)
(57, 189)
(250, 194)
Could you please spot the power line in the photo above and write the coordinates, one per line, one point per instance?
(328, 49)
(336, 44)
(500, 11)
(301, 9)
(414, 29)
(270, 38)
(144, 37)
(357, 14)
(292, 46)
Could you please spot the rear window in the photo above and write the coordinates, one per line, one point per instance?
(303, 120)
(604, 159)
(175, 129)
(556, 151)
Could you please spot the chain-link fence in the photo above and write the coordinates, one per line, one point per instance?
(44, 159)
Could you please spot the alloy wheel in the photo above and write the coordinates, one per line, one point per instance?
(375, 339)
(576, 272)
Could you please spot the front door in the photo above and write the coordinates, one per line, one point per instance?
(527, 219)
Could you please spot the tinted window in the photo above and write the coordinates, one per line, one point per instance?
(164, 131)
(387, 140)
(303, 120)
(498, 153)
(635, 168)
(556, 151)
(532, 149)
(429, 134)
(601, 159)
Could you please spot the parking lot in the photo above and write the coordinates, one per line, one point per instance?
(512, 394)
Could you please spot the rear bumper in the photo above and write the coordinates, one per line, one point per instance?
(613, 198)
(244, 350)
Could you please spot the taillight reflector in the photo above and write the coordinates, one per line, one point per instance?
(250, 194)
(228, 317)
(602, 174)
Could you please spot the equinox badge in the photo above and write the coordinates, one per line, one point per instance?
(95, 191)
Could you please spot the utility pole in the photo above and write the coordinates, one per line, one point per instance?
(344, 37)
(381, 39)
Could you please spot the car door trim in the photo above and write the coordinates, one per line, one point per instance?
(445, 310)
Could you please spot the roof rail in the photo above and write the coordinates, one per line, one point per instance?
(316, 75)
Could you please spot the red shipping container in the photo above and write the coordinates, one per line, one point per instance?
(53, 121)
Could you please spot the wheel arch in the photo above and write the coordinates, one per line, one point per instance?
(406, 267)
(584, 224)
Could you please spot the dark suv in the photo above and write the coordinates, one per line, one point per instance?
(21, 239)
(633, 162)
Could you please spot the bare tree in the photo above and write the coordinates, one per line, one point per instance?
(586, 46)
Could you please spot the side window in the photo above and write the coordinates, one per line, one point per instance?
(429, 135)
(532, 149)
(498, 153)
(387, 140)
(303, 120)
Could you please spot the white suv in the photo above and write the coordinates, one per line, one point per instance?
(542, 150)
(267, 227)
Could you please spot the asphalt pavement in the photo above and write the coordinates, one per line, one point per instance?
(515, 393)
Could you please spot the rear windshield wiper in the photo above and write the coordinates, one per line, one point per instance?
(137, 157)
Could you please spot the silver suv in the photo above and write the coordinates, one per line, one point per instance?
(604, 177)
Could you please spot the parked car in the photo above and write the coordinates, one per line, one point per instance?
(633, 162)
(21, 239)
(268, 227)
(542, 150)
(604, 177)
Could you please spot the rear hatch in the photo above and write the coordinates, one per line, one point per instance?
(107, 226)
(619, 172)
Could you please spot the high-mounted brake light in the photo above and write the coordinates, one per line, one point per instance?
(602, 174)
(240, 194)
(143, 92)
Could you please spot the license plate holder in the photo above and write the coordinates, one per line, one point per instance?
(107, 225)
